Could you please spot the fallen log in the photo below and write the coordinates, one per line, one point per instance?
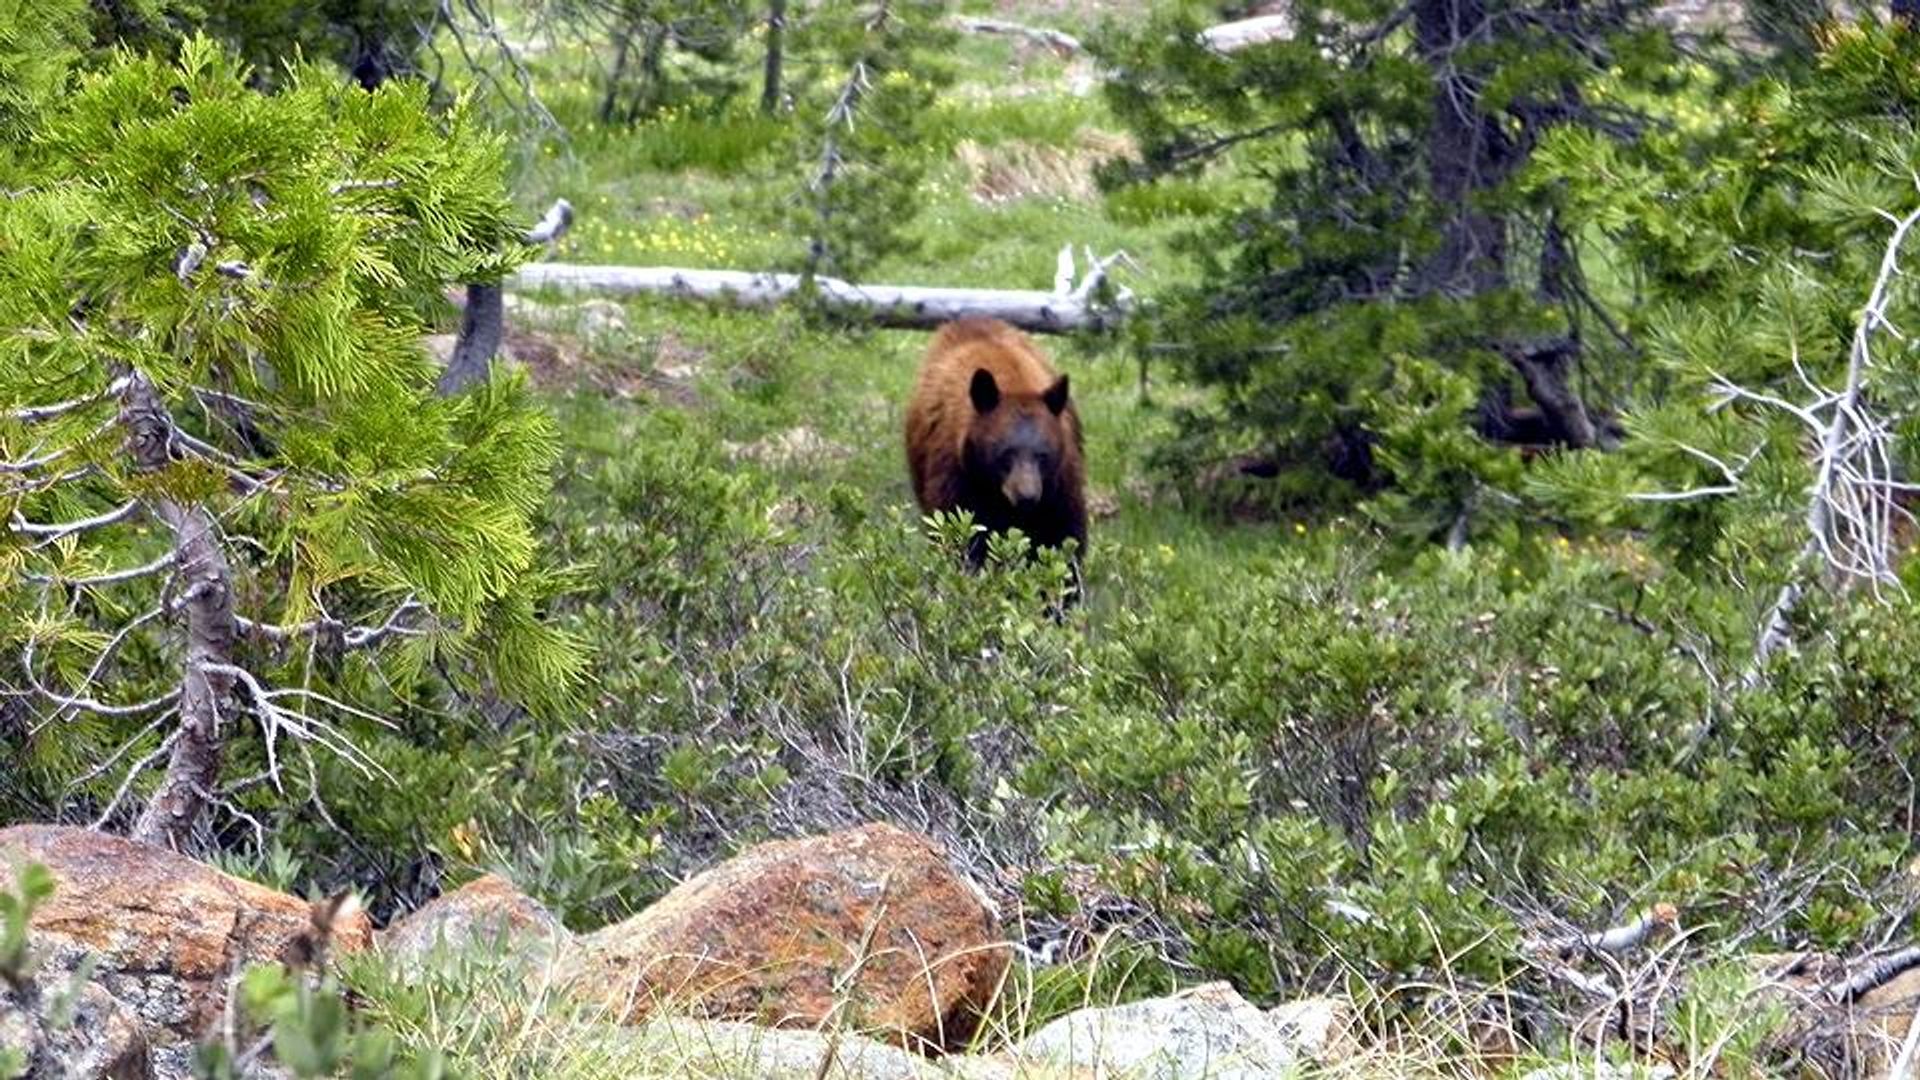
(1061, 43)
(1232, 37)
(1069, 307)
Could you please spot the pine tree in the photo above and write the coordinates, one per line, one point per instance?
(1390, 285)
(372, 40)
(1775, 244)
(659, 53)
(867, 73)
(230, 493)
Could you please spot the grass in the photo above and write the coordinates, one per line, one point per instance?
(498, 1016)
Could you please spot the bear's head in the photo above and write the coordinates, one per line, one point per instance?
(1017, 442)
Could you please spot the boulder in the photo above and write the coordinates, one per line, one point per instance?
(72, 1030)
(164, 932)
(868, 929)
(487, 913)
(1209, 1031)
(1321, 1028)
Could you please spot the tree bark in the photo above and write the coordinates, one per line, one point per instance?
(206, 592)
(776, 56)
(481, 328)
(1546, 370)
(482, 324)
(612, 97)
(1467, 155)
(902, 306)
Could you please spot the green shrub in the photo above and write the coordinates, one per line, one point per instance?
(311, 1033)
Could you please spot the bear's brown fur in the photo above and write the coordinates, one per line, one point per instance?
(990, 430)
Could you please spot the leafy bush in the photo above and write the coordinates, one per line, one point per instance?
(33, 884)
(1457, 744)
(310, 1032)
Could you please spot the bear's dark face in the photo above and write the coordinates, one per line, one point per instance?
(1016, 442)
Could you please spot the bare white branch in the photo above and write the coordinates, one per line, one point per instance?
(133, 773)
(112, 577)
(1849, 514)
(34, 414)
(113, 759)
(301, 725)
(51, 531)
(37, 459)
(345, 186)
(1711, 491)
(351, 637)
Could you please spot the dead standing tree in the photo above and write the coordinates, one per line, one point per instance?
(1850, 506)
(1851, 510)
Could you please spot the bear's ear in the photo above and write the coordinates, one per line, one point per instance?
(984, 391)
(1056, 396)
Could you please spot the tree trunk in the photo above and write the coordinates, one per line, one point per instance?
(481, 328)
(1467, 155)
(206, 593)
(483, 322)
(612, 97)
(776, 56)
(1546, 369)
(653, 73)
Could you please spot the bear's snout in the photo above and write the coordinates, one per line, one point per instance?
(1023, 484)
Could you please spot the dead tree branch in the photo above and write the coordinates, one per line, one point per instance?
(1246, 33)
(1657, 920)
(1876, 975)
(1850, 511)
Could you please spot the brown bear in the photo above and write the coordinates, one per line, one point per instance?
(990, 430)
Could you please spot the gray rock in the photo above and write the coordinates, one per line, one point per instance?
(73, 1031)
(1208, 1032)
(1321, 1028)
(716, 1049)
(488, 914)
